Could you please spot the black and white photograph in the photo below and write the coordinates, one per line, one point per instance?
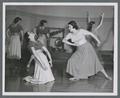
(60, 49)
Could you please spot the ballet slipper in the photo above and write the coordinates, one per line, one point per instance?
(73, 79)
(108, 78)
(27, 79)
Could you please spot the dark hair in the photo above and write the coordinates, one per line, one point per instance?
(17, 19)
(74, 24)
(26, 37)
(42, 22)
(89, 25)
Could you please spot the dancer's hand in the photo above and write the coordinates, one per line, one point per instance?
(98, 44)
(28, 67)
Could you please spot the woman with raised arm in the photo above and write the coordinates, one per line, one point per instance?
(84, 62)
(93, 29)
(91, 23)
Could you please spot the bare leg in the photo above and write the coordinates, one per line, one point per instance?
(106, 75)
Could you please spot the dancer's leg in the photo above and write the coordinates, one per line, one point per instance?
(106, 75)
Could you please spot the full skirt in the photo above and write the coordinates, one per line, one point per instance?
(84, 62)
(41, 76)
(14, 47)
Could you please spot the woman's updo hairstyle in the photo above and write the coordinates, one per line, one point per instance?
(74, 24)
(16, 20)
(42, 22)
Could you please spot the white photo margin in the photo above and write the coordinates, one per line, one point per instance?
(115, 80)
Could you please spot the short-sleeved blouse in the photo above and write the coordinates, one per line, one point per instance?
(78, 38)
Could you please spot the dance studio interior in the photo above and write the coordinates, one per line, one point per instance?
(57, 18)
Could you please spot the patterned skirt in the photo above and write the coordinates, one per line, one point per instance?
(14, 47)
(84, 62)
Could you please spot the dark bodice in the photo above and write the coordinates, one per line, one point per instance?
(41, 31)
(15, 29)
(37, 45)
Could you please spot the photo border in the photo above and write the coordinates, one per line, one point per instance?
(115, 82)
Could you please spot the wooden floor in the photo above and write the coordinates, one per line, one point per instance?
(96, 83)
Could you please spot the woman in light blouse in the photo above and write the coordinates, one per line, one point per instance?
(84, 62)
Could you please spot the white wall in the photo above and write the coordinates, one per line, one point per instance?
(30, 20)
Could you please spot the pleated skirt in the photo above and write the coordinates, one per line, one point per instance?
(14, 47)
(84, 62)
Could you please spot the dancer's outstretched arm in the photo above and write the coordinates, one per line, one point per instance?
(48, 53)
(100, 24)
(31, 58)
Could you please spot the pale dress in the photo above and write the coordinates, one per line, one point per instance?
(41, 76)
(84, 62)
(14, 46)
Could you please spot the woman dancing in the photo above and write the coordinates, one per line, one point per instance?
(91, 26)
(84, 62)
(42, 71)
